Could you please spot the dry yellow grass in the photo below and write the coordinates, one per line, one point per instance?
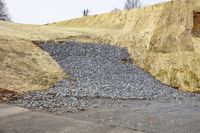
(25, 67)
(160, 39)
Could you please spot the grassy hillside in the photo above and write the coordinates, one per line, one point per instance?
(162, 39)
(23, 65)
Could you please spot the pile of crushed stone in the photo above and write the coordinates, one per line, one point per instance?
(97, 71)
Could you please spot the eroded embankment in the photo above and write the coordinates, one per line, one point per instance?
(97, 71)
(160, 38)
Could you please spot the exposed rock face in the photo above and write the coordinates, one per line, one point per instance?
(162, 38)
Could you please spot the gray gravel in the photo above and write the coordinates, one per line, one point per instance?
(97, 71)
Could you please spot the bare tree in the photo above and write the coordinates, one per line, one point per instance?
(3, 11)
(130, 4)
(85, 12)
(115, 10)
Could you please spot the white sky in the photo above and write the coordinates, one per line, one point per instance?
(46, 11)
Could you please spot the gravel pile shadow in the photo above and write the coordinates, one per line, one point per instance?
(98, 71)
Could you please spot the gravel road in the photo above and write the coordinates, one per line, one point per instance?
(97, 71)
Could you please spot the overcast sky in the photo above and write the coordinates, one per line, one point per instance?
(46, 11)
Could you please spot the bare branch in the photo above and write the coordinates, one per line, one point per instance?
(130, 4)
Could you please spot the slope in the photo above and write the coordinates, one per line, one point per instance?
(162, 39)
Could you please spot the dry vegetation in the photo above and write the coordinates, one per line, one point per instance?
(24, 66)
(159, 38)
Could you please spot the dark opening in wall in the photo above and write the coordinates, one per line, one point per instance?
(196, 26)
